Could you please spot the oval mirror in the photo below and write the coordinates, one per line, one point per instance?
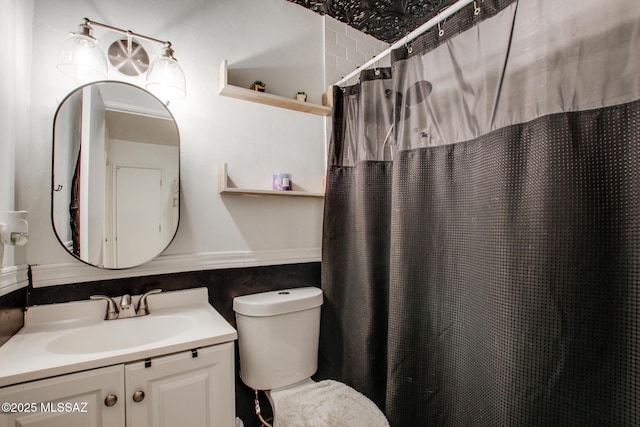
(115, 176)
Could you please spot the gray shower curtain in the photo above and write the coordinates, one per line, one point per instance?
(356, 251)
(485, 271)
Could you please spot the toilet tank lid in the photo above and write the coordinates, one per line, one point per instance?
(274, 303)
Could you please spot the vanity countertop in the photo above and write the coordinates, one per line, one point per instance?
(62, 338)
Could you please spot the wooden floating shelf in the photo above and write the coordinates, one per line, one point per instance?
(266, 98)
(223, 188)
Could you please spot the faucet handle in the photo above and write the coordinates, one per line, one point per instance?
(112, 309)
(143, 308)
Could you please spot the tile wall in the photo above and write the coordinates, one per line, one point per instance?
(346, 49)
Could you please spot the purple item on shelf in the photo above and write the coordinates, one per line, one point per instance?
(281, 181)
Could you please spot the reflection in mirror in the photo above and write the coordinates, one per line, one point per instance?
(116, 180)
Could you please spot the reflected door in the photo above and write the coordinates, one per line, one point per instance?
(138, 215)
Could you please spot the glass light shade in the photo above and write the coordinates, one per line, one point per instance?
(81, 57)
(165, 79)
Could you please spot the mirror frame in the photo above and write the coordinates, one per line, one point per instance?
(53, 177)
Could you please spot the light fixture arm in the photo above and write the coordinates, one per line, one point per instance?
(89, 24)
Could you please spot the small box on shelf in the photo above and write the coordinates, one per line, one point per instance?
(225, 189)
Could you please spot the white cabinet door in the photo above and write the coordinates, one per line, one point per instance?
(181, 390)
(74, 400)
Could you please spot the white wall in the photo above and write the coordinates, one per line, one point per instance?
(272, 40)
(15, 44)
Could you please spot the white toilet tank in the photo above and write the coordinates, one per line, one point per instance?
(278, 336)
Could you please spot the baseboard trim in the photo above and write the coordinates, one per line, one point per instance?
(76, 272)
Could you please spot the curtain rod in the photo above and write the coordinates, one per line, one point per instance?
(406, 39)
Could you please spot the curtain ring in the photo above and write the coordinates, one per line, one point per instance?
(440, 30)
(375, 69)
(407, 45)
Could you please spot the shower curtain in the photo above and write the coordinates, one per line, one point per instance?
(481, 243)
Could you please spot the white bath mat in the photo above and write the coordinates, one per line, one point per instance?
(328, 404)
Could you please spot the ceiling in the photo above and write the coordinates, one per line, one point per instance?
(386, 20)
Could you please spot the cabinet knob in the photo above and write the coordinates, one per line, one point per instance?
(110, 400)
(138, 396)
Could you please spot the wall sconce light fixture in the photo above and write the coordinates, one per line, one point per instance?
(80, 56)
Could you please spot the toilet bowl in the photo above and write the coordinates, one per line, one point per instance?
(278, 334)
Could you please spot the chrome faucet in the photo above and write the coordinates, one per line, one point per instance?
(143, 308)
(112, 309)
(126, 308)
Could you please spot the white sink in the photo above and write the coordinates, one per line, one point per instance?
(113, 335)
(70, 337)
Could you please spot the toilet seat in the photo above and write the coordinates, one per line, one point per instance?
(324, 404)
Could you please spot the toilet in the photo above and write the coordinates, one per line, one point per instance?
(278, 334)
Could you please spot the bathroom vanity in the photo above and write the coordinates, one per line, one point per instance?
(70, 367)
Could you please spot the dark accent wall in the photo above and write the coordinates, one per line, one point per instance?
(12, 313)
(223, 286)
